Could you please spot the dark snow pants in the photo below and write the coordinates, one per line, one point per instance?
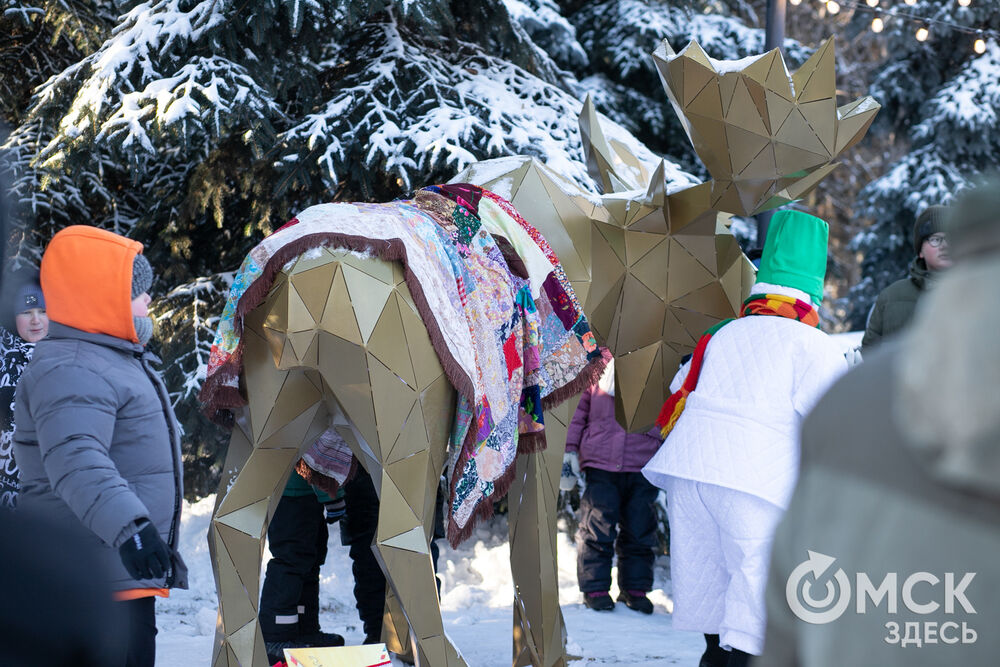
(289, 599)
(141, 619)
(616, 505)
(357, 531)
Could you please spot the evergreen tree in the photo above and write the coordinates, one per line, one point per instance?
(39, 39)
(940, 99)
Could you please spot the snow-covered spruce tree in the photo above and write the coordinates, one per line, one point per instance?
(941, 98)
(186, 319)
(40, 38)
(198, 126)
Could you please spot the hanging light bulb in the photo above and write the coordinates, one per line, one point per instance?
(923, 33)
(979, 46)
(911, 2)
(874, 3)
(796, 2)
(877, 24)
(832, 7)
(965, 3)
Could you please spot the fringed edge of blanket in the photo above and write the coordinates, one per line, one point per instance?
(325, 483)
(484, 510)
(218, 395)
(529, 443)
(589, 376)
(222, 395)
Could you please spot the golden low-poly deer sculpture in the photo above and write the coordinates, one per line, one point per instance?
(652, 269)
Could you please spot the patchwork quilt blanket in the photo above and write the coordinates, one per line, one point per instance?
(503, 319)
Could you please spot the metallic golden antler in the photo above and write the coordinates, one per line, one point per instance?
(766, 136)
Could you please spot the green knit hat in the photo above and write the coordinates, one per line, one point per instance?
(795, 253)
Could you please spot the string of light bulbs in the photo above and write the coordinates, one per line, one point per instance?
(924, 23)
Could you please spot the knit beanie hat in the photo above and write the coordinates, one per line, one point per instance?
(931, 220)
(142, 280)
(795, 253)
(28, 296)
(142, 275)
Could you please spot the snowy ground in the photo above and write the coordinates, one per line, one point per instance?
(476, 599)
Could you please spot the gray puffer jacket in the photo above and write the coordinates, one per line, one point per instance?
(97, 439)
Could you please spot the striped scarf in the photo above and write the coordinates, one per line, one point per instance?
(757, 304)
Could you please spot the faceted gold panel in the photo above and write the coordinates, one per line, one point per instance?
(761, 131)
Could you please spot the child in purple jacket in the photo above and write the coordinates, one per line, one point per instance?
(616, 503)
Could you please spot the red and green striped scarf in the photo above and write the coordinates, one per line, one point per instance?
(757, 304)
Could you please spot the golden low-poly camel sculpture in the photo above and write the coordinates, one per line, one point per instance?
(339, 339)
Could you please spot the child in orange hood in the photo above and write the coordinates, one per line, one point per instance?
(97, 441)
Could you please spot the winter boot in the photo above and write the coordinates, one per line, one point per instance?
(714, 655)
(322, 639)
(276, 650)
(599, 601)
(636, 600)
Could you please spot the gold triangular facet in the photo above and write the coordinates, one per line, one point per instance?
(388, 343)
(344, 367)
(686, 273)
(651, 270)
(338, 314)
(393, 400)
(631, 371)
(817, 79)
(395, 516)
(313, 287)
(249, 520)
(368, 297)
(412, 540)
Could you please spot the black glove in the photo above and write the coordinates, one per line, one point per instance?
(334, 509)
(145, 555)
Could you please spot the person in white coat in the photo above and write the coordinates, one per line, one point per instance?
(730, 457)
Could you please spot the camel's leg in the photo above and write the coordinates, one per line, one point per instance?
(539, 629)
(285, 410)
(380, 367)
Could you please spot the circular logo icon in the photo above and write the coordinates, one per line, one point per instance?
(815, 593)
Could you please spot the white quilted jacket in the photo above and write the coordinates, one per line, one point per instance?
(740, 427)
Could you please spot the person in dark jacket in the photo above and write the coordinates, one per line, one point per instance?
(297, 539)
(894, 306)
(26, 324)
(97, 442)
(617, 507)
